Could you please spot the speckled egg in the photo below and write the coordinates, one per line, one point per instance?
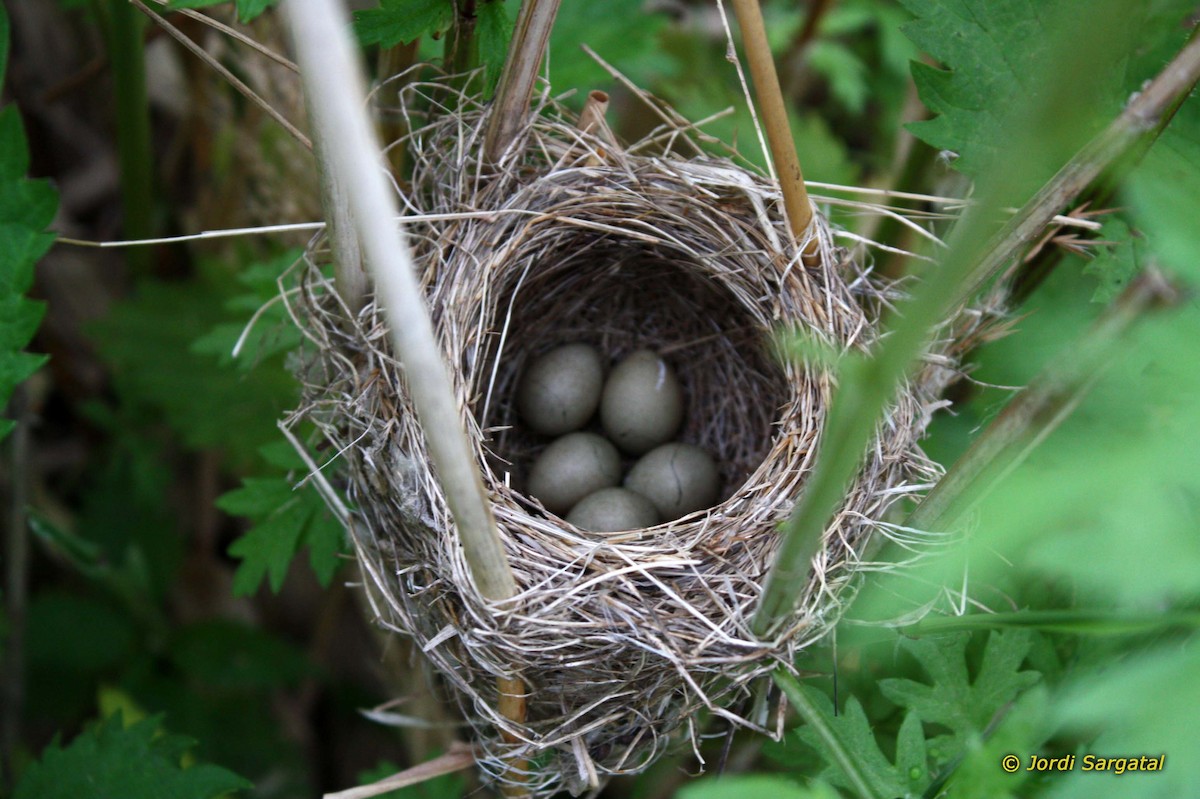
(572, 467)
(559, 391)
(611, 510)
(642, 403)
(676, 478)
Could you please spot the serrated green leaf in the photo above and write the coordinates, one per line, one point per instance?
(138, 762)
(148, 341)
(402, 21)
(907, 776)
(494, 30)
(999, 51)
(741, 786)
(285, 520)
(951, 698)
(1117, 261)
(27, 207)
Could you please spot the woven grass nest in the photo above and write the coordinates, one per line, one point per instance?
(621, 638)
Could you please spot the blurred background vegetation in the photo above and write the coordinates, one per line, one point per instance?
(164, 582)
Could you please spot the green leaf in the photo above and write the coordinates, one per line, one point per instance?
(285, 519)
(247, 10)
(742, 786)
(27, 207)
(138, 762)
(1117, 262)
(445, 786)
(150, 341)
(845, 71)
(402, 21)
(908, 775)
(951, 698)
(999, 51)
(494, 30)
(237, 657)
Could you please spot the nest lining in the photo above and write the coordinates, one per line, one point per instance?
(621, 638)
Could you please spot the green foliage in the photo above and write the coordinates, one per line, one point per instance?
(135, 762)
(1005, 55)
(951, 698)
(26, 208)
(402, 21)
(160, 344)
(286, 518)
(446, 786)
(765, 785)
(247, 10)
(494, 31)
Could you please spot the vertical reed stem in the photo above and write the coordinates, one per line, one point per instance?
(775, 119)
(511, 106)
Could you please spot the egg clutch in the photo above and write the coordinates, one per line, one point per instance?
(641, 409)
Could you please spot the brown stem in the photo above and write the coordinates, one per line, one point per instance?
(510, 109)
(775, 119)
(1141, 115)
(1041, 407)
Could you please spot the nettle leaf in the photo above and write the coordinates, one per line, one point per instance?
(908, 775)
(27, 208)
(402, 21)
(285, 518)
(1117, 262)
(951, 698)
(246, 9)
(136, 762)
(494, 29)
(996, 51)
(740, 786)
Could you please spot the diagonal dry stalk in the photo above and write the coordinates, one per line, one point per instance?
(336, 94)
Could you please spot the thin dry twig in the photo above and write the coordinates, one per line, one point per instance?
(458, 758)
(221, 69)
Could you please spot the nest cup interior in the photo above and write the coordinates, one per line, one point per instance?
(621, 296)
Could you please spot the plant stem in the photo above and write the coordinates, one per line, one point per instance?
(816, 722)
(459, 53)
(868, 386)
(335, 91)
(457, 759)
(349, 272)
(1078, 622)
(16, 584)
(128, 59)
(515, 90)
(1041, 407)
(775, 119)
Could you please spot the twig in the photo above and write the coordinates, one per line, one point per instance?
(458, 758)
(1039, 409)
(127, 56)
(775, 119)
(851, 420)
(234, 33)
(349, 271)
(1143, 114)
(234, 81)
(16, 584)
(816, 722)
(515, 91)
(335, 90)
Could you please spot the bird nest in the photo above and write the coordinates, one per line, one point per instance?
(622, 639)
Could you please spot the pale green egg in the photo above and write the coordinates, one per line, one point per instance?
(559, 391)
(677, 478)
(642, 403)
(572, 467)
(612, 510)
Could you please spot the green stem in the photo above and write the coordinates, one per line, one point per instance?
(1039, 409)
(1081, 621)
(460, 54)
(816, 722)
(127, 56)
